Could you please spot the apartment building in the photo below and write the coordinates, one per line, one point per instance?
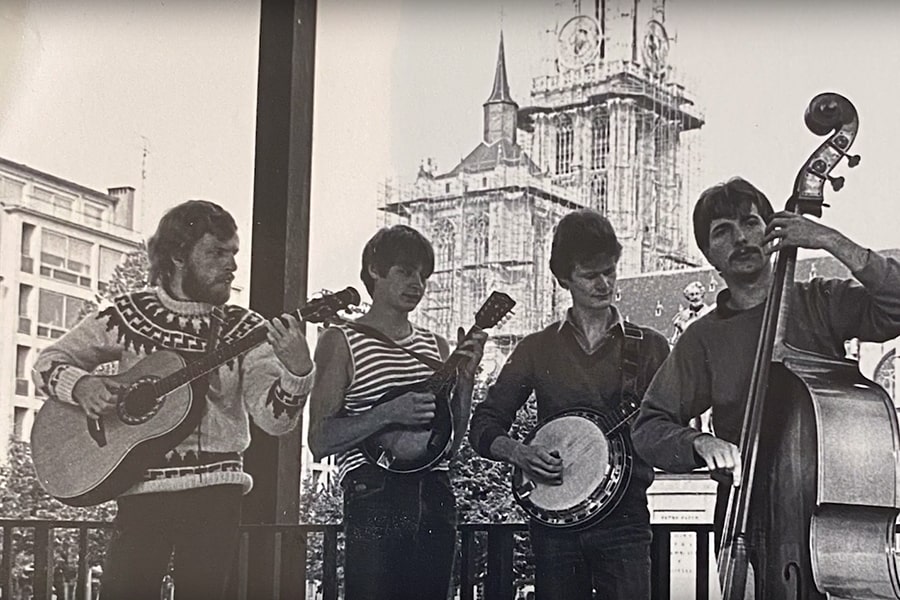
(60, 243)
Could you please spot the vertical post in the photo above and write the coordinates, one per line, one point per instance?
(702, 566)
(467, 566)
(84, 574)
(280, 251)
(42, 578)
(499, 582)
(6, 563)
(661, 563)
(329, 564)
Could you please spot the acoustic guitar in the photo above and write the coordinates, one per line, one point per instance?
(403, 449)
(82, 461)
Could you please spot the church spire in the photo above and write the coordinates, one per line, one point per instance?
(500, 109)
(500, 93)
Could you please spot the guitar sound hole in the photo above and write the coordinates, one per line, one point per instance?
(139, 403)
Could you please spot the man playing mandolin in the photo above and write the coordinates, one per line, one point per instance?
(400, 528)
(572, 364)
(711, 365)
(189, 499)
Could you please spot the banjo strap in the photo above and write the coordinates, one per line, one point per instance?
(631, 352)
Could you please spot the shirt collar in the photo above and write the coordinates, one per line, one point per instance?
(618, 321)
(724, 311)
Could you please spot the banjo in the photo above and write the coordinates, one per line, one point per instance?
(597, 456)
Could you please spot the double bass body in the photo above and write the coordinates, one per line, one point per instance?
(828, 475)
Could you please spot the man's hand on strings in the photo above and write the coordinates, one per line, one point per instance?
(412, 409)
(285, 334)
(96, 395)
(788, 229)
(472, 349)
(539, 463)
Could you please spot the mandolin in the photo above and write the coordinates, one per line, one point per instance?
(82, 461)
(402, 449)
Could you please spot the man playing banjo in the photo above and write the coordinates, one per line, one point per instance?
(578, 363)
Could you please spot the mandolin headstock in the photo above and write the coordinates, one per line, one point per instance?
(495, 308)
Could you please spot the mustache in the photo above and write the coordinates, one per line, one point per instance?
(746, 251)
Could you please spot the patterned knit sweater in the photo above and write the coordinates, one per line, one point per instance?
(255, 384)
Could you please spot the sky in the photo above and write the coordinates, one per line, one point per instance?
(161, 94)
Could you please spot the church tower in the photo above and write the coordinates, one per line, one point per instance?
(490, 219)
(611, 122)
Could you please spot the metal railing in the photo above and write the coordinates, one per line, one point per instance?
(485, 561)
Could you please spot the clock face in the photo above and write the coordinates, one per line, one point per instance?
(579, 42)
(656, 46)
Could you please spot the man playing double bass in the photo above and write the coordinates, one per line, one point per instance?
(711, 365)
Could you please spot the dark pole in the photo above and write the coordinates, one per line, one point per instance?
(280, 257)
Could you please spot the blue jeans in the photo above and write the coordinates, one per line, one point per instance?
(570, 565)
(400, 535)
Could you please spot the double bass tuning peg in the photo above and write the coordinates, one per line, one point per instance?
(853, 160)
(836, 183)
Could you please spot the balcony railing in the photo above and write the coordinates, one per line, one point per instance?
(486, 561)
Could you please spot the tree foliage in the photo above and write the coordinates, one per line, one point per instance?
(130, 275)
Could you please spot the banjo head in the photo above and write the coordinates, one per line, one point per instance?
(596, 470)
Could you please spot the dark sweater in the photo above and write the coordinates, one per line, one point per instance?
(712, 362)
(552, 364)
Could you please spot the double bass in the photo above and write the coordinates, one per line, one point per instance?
(814, 515)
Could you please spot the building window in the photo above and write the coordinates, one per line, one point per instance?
(57, 313)
(22, 370)
(27, 263)
(478, 244)
(24, 313)
(599, 197)
(109, 260)
(19, 415)
(444, 244)
(93, 214)
(66, 258)
(58, 204)
(599, 142)
(564, 146)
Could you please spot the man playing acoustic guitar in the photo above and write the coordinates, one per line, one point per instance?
(400, 528)
(190, 499)
(578, 363)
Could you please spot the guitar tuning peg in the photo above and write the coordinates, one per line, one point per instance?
(853, 160)
(836, 183)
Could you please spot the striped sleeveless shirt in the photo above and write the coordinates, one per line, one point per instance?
(378, 368)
